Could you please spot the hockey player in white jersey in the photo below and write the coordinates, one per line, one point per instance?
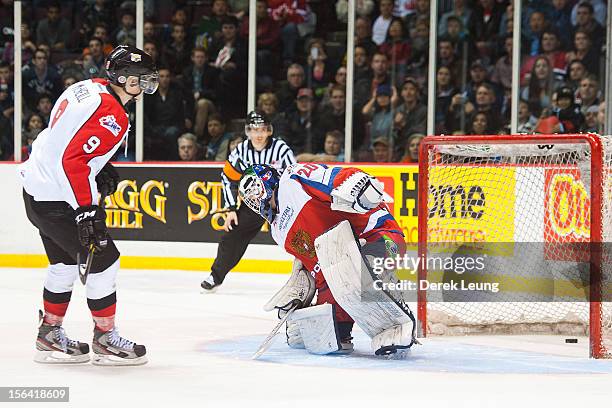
(334, 221)
(62, 180)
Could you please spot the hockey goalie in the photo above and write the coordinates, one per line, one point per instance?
(334, 221)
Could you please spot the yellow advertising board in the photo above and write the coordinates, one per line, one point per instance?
(466, 203)
(471, 204)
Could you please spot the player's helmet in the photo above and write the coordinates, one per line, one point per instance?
(257, 120)
(257, 186)
(125, 61)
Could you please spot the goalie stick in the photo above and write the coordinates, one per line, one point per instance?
(267, 343)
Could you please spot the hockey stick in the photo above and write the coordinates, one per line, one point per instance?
(84, 273)
(267, 343)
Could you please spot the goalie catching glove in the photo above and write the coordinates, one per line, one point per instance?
(358, 194)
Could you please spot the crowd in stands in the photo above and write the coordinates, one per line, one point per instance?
(200, 48)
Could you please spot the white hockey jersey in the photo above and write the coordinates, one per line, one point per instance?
(87, 126)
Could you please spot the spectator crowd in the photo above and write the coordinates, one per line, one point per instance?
(200, 48)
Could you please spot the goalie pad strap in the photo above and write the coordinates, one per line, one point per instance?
(342, 264)
(318, 329)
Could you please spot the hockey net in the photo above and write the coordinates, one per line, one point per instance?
(537, 211)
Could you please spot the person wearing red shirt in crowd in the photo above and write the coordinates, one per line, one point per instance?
(289, 14)
(268, 30)
(397, 47)
(268, 42)
(550, 48)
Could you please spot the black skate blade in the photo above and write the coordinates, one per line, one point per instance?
(389, 350)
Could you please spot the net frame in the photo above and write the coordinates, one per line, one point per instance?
(596, 345)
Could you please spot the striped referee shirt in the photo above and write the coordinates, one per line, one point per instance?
(276, 154)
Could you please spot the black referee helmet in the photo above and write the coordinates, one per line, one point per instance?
(257, 120)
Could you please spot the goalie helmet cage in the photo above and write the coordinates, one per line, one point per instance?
(515, 174)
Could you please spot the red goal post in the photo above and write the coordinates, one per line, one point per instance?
(448, 159)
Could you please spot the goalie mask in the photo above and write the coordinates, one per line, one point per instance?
(256, 121)
(257, 187)
(125, 61)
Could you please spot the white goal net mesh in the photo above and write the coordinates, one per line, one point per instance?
(524, 211)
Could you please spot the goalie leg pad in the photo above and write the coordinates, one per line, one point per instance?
(346, 273)
(294, 337)
(318, 329)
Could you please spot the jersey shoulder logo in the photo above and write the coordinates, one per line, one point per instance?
(81, 92)
(109, 122)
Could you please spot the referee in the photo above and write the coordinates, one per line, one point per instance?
(243, 224)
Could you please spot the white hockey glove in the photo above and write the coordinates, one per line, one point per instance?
(300, 286)
(358, 194)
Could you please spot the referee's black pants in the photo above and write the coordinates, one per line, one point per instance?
(234, 242)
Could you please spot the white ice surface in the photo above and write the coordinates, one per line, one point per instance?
(199, 347)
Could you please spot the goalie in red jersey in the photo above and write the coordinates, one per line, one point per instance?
(334, 221)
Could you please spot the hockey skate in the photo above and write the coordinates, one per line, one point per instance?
(345, 331)
(110, 349)
(209, 285)
(54, 347)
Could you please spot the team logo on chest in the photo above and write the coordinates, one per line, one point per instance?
(302, 243)
(109, 122)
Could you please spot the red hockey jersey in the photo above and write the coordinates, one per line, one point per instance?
(86, 128)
